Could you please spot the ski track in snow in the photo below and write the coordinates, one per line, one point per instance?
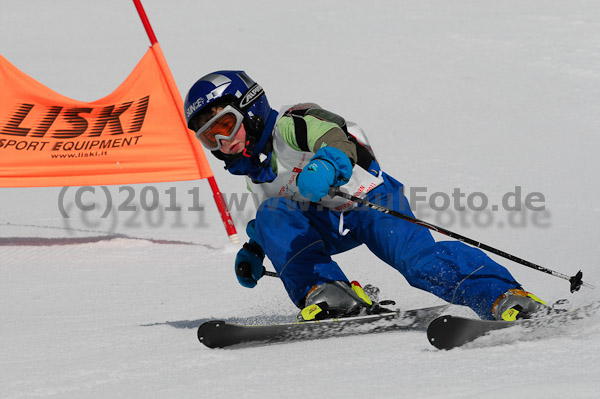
(477, 95)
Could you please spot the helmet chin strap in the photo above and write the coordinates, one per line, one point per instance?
(254, 129)
(258, 135)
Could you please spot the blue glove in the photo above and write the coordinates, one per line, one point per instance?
(249, 260)
(249, 264)
(330, 167)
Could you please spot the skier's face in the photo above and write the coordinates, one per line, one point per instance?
(235, 145)
(222, 129)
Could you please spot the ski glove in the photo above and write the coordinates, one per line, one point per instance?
(330, 167)
(249, 260)
(249, 264)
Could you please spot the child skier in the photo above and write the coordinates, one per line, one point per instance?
(292, 158)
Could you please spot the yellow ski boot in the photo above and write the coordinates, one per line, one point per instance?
(517, 304)
(337, 299)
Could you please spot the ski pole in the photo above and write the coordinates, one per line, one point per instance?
(268, 273)
(576, 280)
(245, 270)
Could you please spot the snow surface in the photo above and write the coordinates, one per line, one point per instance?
(477, 95)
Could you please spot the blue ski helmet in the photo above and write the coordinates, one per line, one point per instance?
(234, 87)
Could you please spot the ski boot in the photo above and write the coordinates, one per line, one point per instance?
(339, 299)
(517, 304)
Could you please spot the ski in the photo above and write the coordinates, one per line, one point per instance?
(447, 332)
(223, 334)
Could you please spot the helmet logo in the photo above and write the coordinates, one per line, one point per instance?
(252, 94)
(194, 106)
(217, 92)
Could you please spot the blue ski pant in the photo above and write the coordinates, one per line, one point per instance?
(300, 238)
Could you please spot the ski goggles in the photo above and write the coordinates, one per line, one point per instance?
(222, 126)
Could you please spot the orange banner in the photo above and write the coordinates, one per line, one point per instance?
(137, 134)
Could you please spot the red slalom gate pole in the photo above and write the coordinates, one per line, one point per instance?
(225, 215)
(145, 21)
(221, 206)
